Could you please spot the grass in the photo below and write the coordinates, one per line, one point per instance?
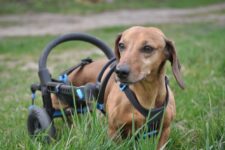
(199, 123)
(74, 6)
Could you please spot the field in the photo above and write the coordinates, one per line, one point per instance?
(200, 120)
(200, 107)
(78, 7)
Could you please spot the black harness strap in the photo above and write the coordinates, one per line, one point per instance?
(99, 78)
(153, 116)
(81, 64)
(100, 99)
(145, 112)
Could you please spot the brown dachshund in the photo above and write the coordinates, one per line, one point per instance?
(141, 57)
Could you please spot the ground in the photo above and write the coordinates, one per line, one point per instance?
(54, 24)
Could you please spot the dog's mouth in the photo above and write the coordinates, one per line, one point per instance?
(129, 79)
(126, 81)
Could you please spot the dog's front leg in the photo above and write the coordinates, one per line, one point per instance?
(164, 137)
(111, 132)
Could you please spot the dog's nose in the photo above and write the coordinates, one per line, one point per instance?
(122, 71)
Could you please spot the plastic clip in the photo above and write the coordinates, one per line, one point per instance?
(122, 86)
(57, 88)
(63, 78)
(80, 94)
(33, 96)
(150, 134)
(100, 106)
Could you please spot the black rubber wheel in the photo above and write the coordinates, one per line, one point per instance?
(39, 122)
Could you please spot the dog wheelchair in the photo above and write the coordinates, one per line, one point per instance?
(42, 119)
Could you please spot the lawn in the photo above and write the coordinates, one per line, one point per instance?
(200, 120)
(74, 6)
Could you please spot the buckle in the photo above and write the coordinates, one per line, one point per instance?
(122, 86)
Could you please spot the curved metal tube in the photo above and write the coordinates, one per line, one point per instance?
(43, 72)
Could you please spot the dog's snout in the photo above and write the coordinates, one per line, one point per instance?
(122, 71)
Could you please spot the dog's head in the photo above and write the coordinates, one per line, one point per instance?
(142, 52)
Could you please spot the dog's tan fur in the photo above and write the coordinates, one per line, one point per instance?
(146, 78)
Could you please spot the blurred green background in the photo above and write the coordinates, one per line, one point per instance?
(200, 120)
(93, 6)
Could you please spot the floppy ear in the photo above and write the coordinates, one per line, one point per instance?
(117, 53)
(172, 57)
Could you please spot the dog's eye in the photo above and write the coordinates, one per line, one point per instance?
(121, 46)
(147, 49)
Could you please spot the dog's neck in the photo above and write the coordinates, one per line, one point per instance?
(151, 91)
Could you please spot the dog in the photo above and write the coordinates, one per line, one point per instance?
(141, 54)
